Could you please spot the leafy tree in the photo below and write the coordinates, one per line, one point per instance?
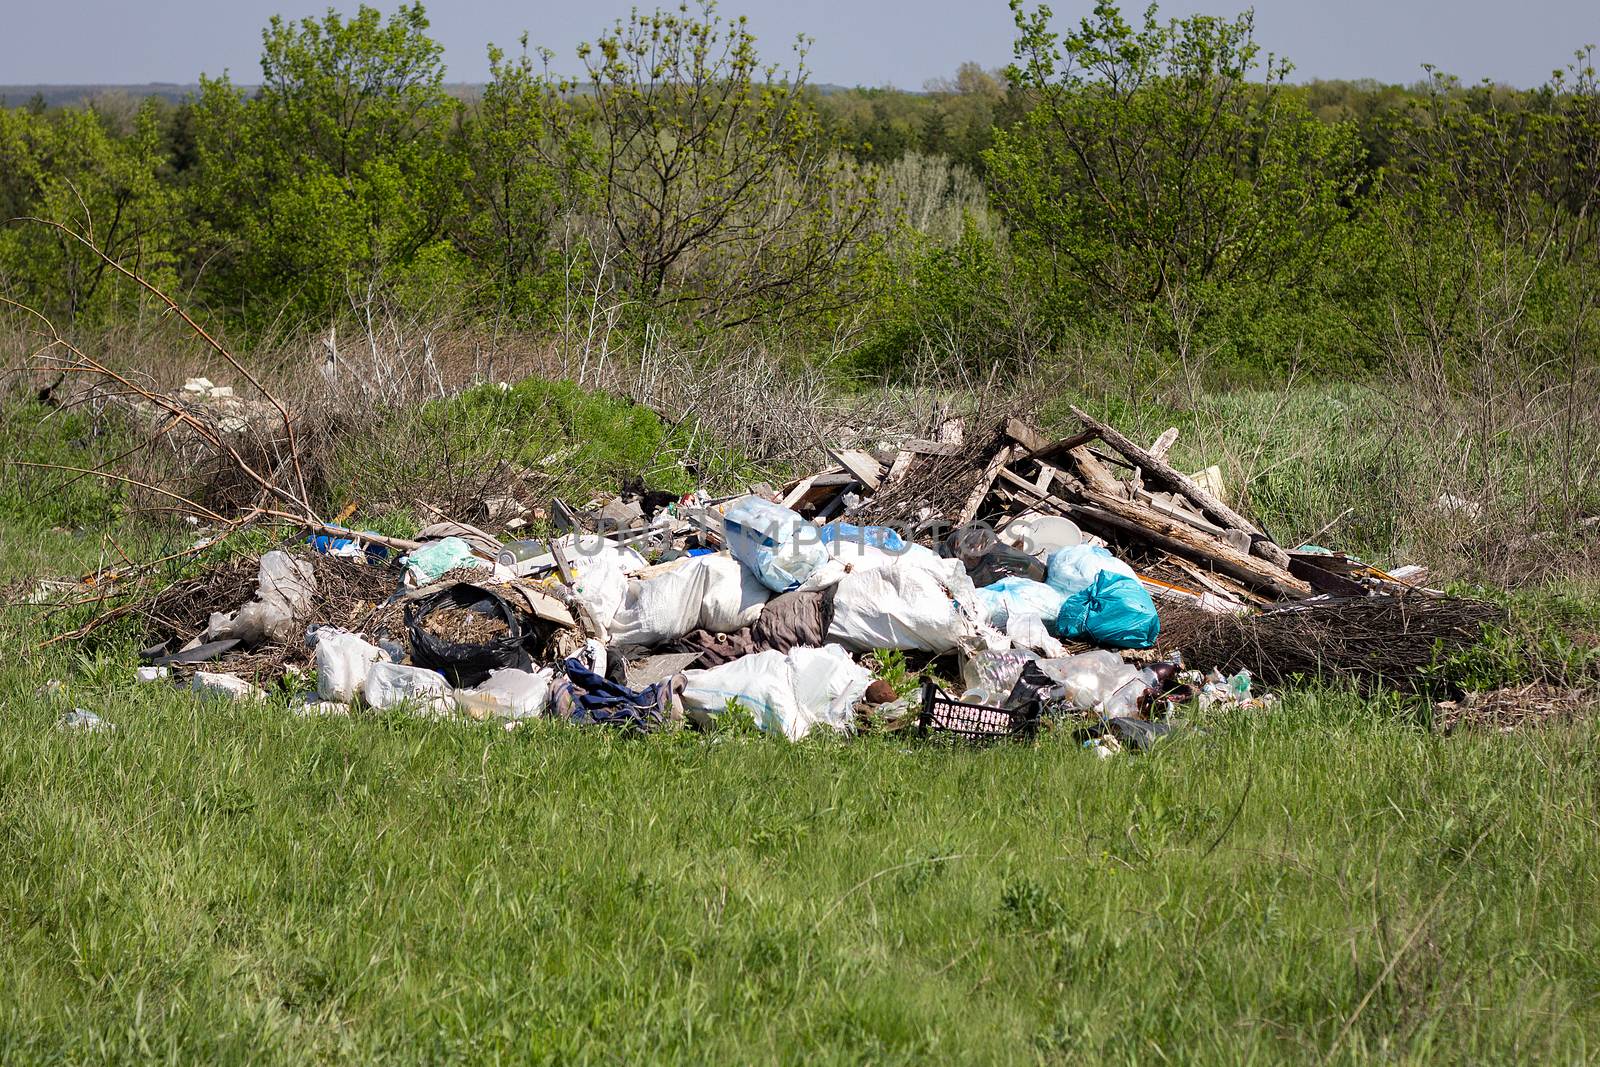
(522, 182)
(67, 167)
(339, 170)
(718, 191)
(1148, 164)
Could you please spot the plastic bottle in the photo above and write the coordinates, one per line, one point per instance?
(1135, 696)
(524, 556)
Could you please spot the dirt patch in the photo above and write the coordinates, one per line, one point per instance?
(1505, 710)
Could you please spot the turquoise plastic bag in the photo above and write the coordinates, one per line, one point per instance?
(1114, 612)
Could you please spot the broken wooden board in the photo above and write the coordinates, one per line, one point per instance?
(865, 469)
(1209, 504)
(995, 467)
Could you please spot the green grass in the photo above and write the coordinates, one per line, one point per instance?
(1327, 882)
(233, 885)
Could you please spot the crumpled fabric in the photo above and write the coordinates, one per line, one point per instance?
(790, 620)
(585, 698)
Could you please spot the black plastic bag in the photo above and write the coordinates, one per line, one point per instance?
(987, 558)
(467, 663)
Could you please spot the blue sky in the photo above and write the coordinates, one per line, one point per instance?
(867, 42)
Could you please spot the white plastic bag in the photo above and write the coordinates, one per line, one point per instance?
(920, 604)
(779, 546)
(391, 684)
(343, 660)
(508, 693)
(1090, 679)
(284, 587)
(1027, 631)
(783, 693)
(227, 686)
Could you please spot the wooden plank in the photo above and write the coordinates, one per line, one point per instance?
(866, 470)
(801, 488)
(1171, 535)
(1026, 435)
(996, 466)
(1210, 505)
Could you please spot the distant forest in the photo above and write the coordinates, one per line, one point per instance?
(1124, 182)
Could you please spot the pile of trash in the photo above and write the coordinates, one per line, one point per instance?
(977, 591)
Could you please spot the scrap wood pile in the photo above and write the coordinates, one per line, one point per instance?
(1079, 581)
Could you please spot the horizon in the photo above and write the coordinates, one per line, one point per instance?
(116, 47)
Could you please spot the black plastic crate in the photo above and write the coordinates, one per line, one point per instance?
(944, 715)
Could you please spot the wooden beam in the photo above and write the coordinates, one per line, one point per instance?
(1026, 435)
(1171, 535)
(1210, 505)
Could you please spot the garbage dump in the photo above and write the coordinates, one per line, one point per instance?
(1004, 585)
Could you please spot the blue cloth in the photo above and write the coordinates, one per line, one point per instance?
(326, 543)
(1114, 611)
(587, 698)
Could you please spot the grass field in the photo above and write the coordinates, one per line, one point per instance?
(211, 883)
(1325, 882)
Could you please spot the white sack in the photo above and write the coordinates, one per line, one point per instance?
(848, 556)
(788, 693)
(599, 584)
(662, 608)
(708, 592)
(923, 604)
(508, 693)
(734, 595)
(390, 684)
(343, 660)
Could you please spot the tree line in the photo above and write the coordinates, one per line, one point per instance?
(1125, 182)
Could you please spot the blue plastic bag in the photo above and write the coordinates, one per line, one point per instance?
(780, 548)
(876, 536)
(1075, 567)
(1013, 596)
(1114, 611)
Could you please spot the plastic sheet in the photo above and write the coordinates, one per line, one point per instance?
(779, 547)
